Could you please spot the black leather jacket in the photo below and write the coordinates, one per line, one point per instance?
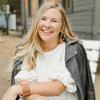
(77, 64)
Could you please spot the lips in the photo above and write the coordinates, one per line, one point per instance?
(47, 31)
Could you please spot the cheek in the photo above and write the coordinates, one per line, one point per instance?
(39, 28)
(40, 23)
(58, 28)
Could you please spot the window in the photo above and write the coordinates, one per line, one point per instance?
(41, 2)
(29, 7)
(68, 5)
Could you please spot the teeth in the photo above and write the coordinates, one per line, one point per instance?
(46, 31)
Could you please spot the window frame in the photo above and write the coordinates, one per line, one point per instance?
(68, 5)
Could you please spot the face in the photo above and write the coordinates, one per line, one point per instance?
(49, 25)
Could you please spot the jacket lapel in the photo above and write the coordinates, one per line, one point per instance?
(70, 52)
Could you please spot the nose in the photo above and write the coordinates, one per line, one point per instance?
(47, 24)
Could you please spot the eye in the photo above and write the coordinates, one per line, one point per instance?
(43, 18)
(54, 20)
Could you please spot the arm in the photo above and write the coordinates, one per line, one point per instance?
(12, 92)
(53, 88)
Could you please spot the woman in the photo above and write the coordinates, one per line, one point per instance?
(50, 63)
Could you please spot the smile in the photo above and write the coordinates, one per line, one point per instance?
(47, 31)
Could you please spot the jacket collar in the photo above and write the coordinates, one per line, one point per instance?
(70, 51)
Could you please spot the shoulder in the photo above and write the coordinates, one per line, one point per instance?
(17, 63)
(74, 49)
(16, 68)
(75, 45)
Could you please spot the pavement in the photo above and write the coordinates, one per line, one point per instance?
(7, 49)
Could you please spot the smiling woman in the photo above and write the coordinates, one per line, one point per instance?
(49, 27)
(50, 62)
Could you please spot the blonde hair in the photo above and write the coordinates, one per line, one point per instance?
(31, 45)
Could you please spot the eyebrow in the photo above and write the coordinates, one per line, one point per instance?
(52, 18)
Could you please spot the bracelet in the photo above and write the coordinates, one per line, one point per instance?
(26, 89)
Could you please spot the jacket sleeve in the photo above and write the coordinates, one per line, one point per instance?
(86, 77)
(78, 65)
(16, 68)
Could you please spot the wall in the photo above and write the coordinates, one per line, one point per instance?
(82, 18)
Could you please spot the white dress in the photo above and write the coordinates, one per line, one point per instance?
(51, 66)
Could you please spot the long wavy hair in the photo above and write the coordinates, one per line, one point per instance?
(31, 44)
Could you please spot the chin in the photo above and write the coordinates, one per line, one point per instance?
(45, 39)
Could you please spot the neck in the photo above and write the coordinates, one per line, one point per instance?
(49, 46)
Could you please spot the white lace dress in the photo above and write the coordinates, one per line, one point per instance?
(51, 66)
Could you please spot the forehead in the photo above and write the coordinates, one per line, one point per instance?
(52, 13)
